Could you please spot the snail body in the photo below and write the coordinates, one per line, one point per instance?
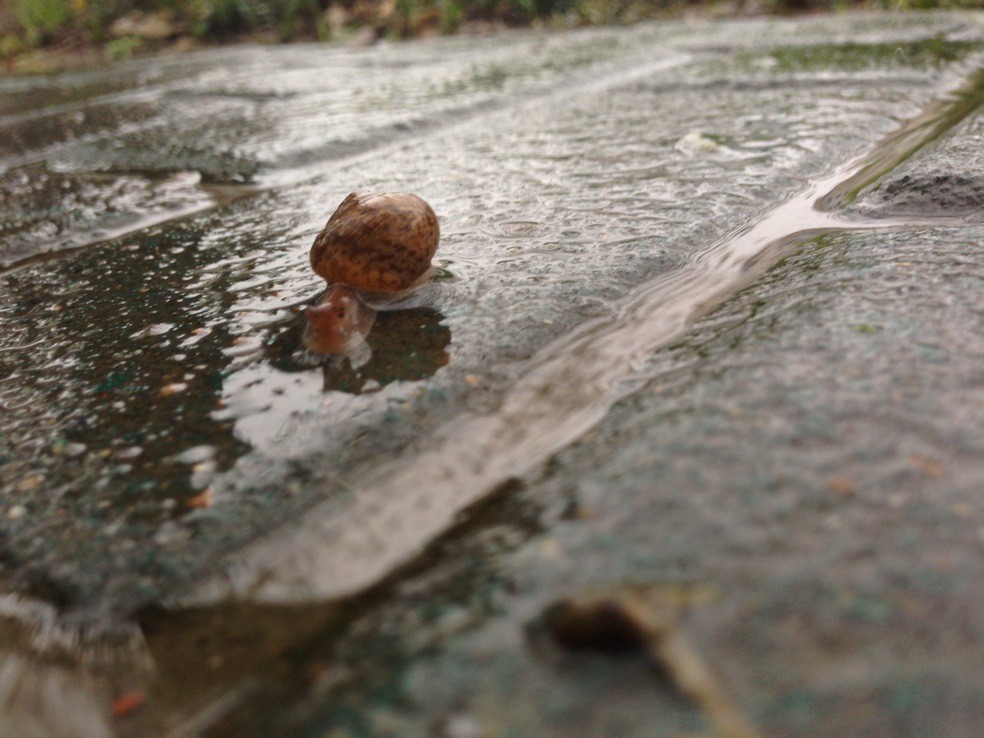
(378, 243)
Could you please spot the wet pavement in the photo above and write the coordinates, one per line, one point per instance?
(647, 359)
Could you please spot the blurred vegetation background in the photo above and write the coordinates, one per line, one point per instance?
(119, 28)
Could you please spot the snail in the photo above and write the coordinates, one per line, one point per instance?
(375, 245)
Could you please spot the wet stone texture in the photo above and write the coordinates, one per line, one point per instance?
(807, 461)
(803, 465)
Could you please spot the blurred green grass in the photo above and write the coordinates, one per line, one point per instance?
(123, 27)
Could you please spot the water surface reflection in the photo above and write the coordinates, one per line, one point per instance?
(404, 345)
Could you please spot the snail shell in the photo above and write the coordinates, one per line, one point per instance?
(377, 242)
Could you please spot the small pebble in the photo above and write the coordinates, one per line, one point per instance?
(194, 455)
(61, 447)
(16, 512)
(169, 533)
(695, 141)
(463, 726)
(30, 482)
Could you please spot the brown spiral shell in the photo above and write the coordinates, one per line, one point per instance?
(377, 242)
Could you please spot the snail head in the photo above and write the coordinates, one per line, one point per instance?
(339, 322)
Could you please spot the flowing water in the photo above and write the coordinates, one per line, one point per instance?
(199, 510)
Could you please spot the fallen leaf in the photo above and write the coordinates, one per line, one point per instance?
(926, 465)
(842, 486)
(127, 703)
(203, 500)
(648, 619)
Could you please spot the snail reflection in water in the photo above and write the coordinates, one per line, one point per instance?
(375, 246)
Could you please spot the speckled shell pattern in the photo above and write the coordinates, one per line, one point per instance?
(377, 242)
